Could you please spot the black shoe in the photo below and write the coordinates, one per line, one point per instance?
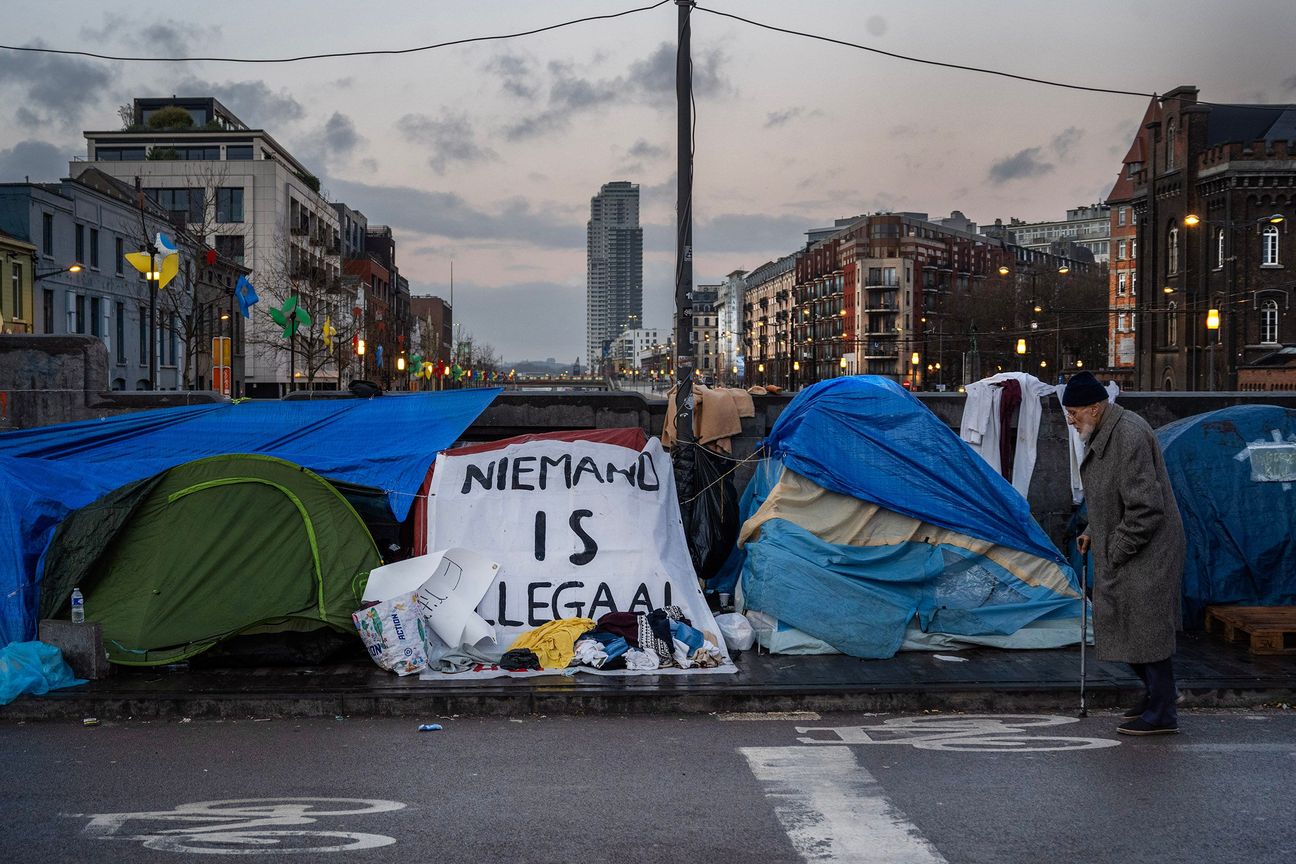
(1137, 710)
(1139, 726)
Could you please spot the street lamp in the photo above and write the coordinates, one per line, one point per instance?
(1212, 323)
(71, 268)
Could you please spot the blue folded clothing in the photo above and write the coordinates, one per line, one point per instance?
(690, 636)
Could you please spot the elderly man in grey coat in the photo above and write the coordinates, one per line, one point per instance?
(1137, 541)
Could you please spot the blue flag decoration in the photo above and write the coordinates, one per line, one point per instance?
(378, 356)
(246, 295)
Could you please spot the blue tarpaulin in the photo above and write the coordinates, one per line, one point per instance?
(868, 438)
(33, 667)
(385, 443)
(1234, 478)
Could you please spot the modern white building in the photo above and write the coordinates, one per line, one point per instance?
(1086, 227)
(613, 270)
(729, 320)
(632, 347)
(254, 203)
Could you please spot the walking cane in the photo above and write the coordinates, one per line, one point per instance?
(1084, 627)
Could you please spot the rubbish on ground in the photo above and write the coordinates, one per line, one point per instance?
(430, 727)
(738, 633)
(33, 667)
(950, 659)
(186, 719)
(89, 721)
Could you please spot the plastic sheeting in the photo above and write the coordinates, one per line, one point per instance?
(33, 667)
(386, 443)
(1238, 503)
(873, 600)
(34, 499)
(869, 438)
(884, 523)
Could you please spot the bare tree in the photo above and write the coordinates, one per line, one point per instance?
(330, 300)
(194, 300)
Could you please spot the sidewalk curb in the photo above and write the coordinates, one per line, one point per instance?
(579, 700)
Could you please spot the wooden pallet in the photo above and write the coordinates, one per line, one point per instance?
(1271, 629)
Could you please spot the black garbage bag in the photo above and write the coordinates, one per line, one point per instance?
(708, 505)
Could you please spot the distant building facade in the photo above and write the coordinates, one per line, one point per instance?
(1087, 228)
(93, 220)
(613, 270)
(1211, 195)
(249, 199)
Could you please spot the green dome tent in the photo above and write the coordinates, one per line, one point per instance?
(228, 545)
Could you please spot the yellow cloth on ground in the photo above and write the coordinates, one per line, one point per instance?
(554, 642)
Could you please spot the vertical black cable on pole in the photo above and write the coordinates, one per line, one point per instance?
(684, 248)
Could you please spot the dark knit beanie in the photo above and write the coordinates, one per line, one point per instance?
(1083, 389)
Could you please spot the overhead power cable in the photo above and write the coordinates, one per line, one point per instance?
(923, 60)
(370, 53)
(964, 68)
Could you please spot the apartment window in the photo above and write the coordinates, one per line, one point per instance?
(238, 152)
(96, 309)
(80, 244)
(47, 233)
(1170, 144)
(230, 246)
(1172, 251)
(121, 332)
(1269, 247)
(1269, 321)
(1133, 280)
(17, 290)
(199, 154)
(1172, 323)
(229, 204)
(172, 338)
(1122, 283)
(120, 154)
(1120, 251)
(47, 309)
(94, 248)
(79, 313)
(1120, 215)
(191, 202)
(1122, 323)
(119, 255)
(143, 336)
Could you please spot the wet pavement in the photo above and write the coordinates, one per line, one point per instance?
(1210, 672)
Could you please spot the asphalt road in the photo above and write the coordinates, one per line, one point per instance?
(748, 790)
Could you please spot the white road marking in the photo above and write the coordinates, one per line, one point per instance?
(245, 826)
(969, 733)
(833, 810)
(768, 715)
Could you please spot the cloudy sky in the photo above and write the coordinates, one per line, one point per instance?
(487, 154)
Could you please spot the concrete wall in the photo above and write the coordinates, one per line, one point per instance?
(61, 379)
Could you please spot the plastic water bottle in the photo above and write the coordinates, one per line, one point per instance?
(78, 606)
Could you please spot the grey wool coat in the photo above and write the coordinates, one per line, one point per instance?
(1136, 540)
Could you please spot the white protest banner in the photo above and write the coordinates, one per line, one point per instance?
(579, 529)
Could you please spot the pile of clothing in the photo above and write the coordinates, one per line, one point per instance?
(658, 639)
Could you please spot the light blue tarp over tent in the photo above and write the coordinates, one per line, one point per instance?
(1239, 513)
(385, 443)
(868, 438)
